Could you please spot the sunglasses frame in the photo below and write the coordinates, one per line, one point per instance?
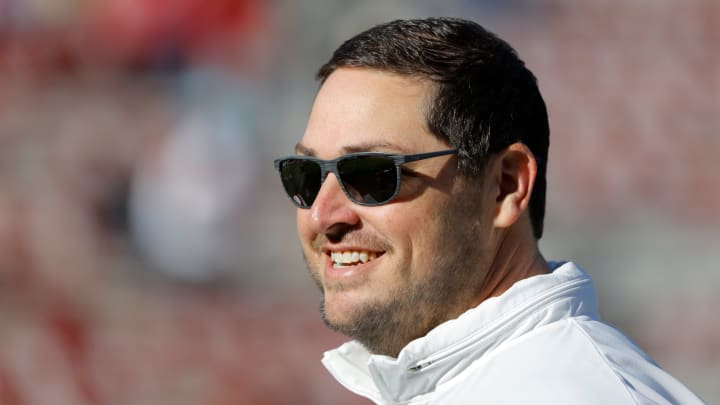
(331, 166)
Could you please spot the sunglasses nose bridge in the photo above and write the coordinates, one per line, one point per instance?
(325, 169)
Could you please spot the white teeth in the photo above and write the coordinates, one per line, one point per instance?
(348, 257)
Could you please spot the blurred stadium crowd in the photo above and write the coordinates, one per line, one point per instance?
(148, 255)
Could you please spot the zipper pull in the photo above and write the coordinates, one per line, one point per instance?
(420, 366)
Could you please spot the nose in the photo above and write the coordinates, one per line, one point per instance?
(332, 211)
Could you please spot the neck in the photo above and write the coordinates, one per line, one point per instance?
(516, 258)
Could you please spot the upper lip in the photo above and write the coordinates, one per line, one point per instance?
(345, 248)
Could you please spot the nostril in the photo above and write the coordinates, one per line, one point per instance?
(337, 231)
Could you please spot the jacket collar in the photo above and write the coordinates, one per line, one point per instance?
(452, 346)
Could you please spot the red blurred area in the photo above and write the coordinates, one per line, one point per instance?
(128, 33)
(137, 30)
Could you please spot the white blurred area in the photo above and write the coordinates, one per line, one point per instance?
(148, 253)
(189, 199)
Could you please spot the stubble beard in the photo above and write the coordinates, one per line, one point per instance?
(385, 327)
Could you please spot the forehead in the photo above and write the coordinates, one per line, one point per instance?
(365, 109)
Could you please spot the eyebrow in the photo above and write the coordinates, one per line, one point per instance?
(301, 149)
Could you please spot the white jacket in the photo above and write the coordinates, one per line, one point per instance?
(541, 342)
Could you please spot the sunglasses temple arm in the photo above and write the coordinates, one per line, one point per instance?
(423, 156)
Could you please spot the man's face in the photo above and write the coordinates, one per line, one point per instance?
(425, 250)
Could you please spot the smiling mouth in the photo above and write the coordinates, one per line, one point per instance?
(349, 258)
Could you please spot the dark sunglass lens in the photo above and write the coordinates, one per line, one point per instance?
(369, 179)
(301, 179)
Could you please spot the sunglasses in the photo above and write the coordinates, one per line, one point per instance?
(366, 178)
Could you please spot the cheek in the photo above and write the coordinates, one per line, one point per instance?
(398, 224)
(413, 230)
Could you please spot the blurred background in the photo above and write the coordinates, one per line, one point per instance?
(148, 253)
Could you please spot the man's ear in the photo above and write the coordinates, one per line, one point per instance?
(514, 172)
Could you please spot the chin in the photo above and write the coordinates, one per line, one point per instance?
(344, 307)
(336, 317)
(339, 305)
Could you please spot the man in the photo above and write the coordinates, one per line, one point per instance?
(420, 183)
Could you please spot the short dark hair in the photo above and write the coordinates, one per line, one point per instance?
(485, 100)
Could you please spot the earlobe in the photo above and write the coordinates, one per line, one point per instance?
(515, 175)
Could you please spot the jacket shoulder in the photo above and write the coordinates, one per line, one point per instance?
(567, 362)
